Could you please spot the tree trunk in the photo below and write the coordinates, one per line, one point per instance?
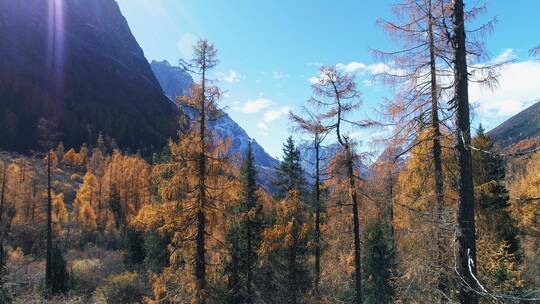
(99, 192)
(48, 264)
(200, 261)
(356, 224)
(2, 197)
(437, 161)
(293, 286)
(33, 201)
(465, 230)
(317, 217)
(249, 270)
(200, 265)
(234, 281)
(391, 205)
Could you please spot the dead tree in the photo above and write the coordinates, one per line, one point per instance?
(335, 93)
(416, 71)
(47, 130)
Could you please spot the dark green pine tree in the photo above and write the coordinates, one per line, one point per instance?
(379, 264)
(156, 255)
(491, 194)
(285, 273)
(244, 235)
(134, 247)
(290, 174)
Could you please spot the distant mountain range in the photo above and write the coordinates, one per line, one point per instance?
(82, 68)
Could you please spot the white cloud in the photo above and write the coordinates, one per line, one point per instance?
(381, 67)
(272, 115)
(231, 77)
(254, 106)
(185, 45)
(378, 68)
(518, 88)
(359, 68)
(280, 75)
(313, 80)
(375, 68)
(263, 126)
(352, 67)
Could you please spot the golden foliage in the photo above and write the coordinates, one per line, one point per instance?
(291, 225)
(415, 220)
(186, 193)
(85, 201)
(498, 269)
(526, 193)
(59, 212)
(70, 158)
(113, 191)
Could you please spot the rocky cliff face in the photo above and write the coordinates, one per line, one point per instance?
(76, 62)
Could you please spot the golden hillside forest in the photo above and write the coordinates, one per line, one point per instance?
(437, 212)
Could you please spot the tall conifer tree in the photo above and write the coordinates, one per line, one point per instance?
(244, 235)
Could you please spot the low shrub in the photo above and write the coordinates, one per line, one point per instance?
(127, 287)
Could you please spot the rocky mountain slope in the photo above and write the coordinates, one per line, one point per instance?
(173, 79)
(175, 82)
(77, 63)
(524, 126)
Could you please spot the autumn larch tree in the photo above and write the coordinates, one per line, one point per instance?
(525, 207)
(285, 242)
(336, 94)
(386, 170)
(312, 125)
(415, 223)
(205, 58)
(194, 184)
(417, 70)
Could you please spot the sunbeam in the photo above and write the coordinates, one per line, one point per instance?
(55, 45)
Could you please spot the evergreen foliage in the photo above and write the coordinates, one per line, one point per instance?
(379, 263)
(244, 235)
(290, 174)
(492, 197)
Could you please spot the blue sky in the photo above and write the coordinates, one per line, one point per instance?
(269, 50)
